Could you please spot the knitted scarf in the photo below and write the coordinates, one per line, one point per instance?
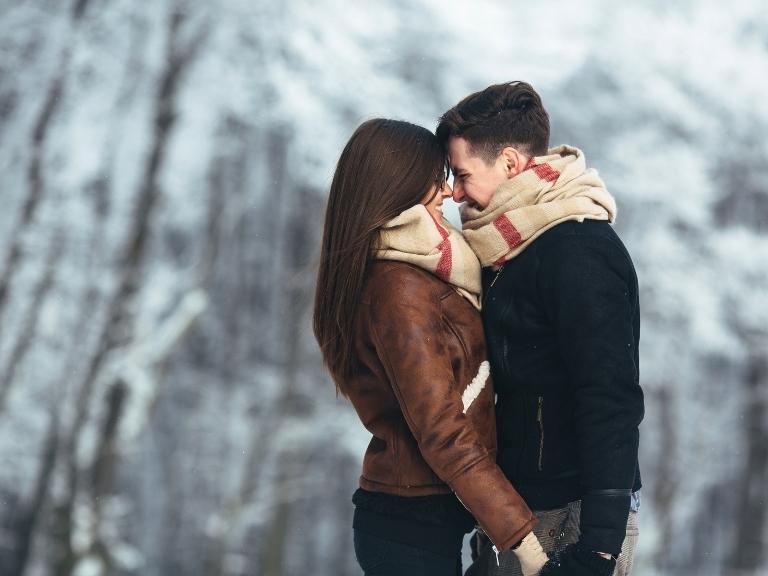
(417, 238)
(550, 190)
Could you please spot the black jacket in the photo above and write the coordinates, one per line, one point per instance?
(562, 322)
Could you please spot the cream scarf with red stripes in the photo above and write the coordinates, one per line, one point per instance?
(417, 238)
(552, 189)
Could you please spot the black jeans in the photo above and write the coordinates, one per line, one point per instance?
(380, 557)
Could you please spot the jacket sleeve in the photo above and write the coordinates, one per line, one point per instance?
(590, 292)
(408, 332)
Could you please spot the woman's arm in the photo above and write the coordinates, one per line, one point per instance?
(408, 332)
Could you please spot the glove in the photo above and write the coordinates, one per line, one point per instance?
(575, 560)
(531, 555)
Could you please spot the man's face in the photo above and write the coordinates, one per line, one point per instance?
(474, 181)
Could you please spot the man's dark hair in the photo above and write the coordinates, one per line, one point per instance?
(509, 114)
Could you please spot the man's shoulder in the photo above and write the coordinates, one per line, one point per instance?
(591, 245)
(588, 229)
(573, 237)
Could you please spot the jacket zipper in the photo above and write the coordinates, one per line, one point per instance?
(540, 420)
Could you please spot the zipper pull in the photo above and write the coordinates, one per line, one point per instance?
(496, 551)
(540, 420)
(498, 273)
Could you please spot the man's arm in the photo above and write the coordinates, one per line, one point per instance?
(590, 292)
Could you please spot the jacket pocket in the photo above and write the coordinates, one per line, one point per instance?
(540, 421)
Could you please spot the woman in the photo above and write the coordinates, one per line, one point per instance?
(396, 317)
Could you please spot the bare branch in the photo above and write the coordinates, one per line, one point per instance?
(26, 338)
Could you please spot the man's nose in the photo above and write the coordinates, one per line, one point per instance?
(458, 193)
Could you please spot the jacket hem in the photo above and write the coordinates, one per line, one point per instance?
(422, 490)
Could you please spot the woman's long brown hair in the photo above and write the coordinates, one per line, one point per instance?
(386, 167)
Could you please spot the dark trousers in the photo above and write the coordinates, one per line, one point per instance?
(380, 557)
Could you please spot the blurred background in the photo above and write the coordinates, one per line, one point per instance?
(163, 173)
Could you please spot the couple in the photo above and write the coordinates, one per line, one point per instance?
(422, 326)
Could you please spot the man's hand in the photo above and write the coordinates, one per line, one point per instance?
(574, 560)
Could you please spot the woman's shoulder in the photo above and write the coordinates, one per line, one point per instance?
(401, 282)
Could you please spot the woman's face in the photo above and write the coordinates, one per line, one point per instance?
(434, 200)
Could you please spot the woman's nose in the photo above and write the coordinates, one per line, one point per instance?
(447, 191)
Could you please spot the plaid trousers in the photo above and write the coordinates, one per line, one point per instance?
(555, 529)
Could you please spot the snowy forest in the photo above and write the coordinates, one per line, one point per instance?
(164, 167)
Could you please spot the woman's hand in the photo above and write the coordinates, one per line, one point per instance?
(531, 555)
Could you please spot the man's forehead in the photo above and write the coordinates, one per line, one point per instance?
(457, 144)
(457, 152)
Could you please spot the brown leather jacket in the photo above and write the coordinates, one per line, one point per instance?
(418, 347)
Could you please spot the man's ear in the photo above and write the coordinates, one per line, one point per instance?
(514, 161)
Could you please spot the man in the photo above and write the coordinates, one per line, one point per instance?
(562, 320)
